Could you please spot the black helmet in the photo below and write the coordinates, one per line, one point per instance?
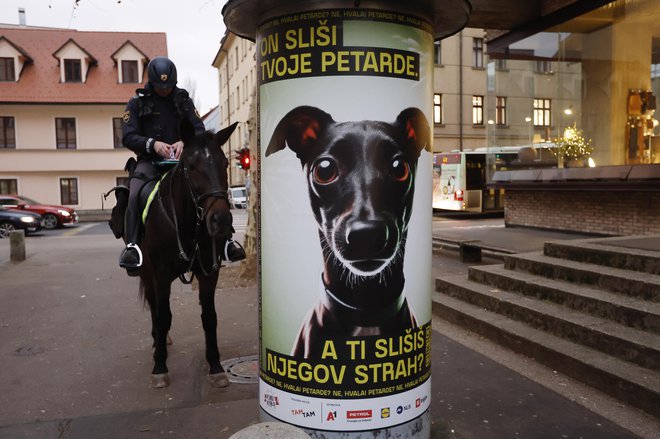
(162, 72)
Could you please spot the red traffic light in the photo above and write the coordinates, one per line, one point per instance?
(243, 157)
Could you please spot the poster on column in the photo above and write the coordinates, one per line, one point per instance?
(345, 218)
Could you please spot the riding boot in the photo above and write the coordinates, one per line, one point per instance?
(131, 256)
(233, 251)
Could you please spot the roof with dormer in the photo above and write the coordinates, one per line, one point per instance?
(39, 81)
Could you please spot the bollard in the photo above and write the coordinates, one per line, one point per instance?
(17, 246)
(345, 218)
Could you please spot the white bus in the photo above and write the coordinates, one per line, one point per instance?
(461, 178)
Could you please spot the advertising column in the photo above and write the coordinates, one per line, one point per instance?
(346, 181)
(345, 171)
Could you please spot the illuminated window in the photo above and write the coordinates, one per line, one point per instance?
(542, 112)
(477, 110)
(437, 108)
(500, 110)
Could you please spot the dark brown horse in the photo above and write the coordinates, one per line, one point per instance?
(187, 227)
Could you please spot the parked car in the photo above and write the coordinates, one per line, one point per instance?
(54, 216)
(11, 219)
(238, 197)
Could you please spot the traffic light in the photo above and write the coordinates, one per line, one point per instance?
(243, 158)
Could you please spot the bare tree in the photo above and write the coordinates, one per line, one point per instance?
(249, 267)
(190, 85)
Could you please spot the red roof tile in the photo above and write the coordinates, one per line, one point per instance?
(40, 81)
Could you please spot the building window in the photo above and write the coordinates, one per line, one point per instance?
(72, 70)
(500, 110)
(542, 112)
(477, 110)
(7, 69)
(7, 132)
(117, 132)
(9, 186)
(437, 52)
(236, 57)
(437, 108)
(122, 181)
(501, 65)
(69, 190)
(65, 129)
(477, 52)
(129, 72)
(543, 66)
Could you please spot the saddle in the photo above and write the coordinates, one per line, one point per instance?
(146, 195)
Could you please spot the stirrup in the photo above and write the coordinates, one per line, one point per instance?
(225, 252)
(139, 252)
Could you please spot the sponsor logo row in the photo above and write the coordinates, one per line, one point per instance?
(272, 401)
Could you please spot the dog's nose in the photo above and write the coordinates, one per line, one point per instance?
(367, 239)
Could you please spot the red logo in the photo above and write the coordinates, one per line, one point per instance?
(331, 416)
(358, 414)
(418, 402)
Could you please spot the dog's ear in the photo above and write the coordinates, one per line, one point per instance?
(300, 129)
(415, 129)
(223, 135)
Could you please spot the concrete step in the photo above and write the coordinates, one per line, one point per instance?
(600, 253)
(625, 343)
(643, 286)
(629, 311)
(633, 384)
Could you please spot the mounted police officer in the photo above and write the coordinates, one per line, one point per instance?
(151, 130)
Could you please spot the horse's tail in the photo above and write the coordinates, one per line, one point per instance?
(142, 295)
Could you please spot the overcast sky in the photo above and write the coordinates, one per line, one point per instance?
(194, 29)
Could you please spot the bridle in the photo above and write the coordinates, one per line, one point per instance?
(200, 214)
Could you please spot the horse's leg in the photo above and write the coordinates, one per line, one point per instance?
(161, 317)
(207, 285)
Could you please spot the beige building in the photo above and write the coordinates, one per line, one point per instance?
(455, 76)
(236, 64)
(62, 96)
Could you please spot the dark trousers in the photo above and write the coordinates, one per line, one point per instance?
(144, 171)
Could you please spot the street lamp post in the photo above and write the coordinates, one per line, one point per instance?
(529, 129)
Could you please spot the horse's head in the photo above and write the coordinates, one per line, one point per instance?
(205, 166)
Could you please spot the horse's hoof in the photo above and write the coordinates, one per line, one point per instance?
(160, 380)
(219, 379)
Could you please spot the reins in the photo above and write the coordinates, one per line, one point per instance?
(200, 218)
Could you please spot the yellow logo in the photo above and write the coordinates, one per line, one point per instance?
(127, 116)
(163, 77)
(385, 412)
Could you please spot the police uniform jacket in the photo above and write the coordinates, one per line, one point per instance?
(148, 118)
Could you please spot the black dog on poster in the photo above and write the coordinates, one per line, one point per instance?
(361, 181)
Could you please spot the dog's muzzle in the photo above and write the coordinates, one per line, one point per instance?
(366, 247)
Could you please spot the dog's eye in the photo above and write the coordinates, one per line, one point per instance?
(325, 171)
(400, 170)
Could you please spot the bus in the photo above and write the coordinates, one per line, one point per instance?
(461, 178)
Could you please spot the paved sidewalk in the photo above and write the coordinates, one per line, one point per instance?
(75, 360)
